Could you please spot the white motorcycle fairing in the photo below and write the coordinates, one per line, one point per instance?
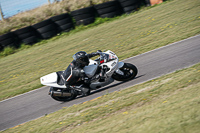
(111, 62)
(51, 80)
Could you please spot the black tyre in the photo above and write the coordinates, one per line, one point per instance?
(6, 36)
(106, 4)
(147, 2)
(1, 47)
(64, 99)
(129, 70)
(30, 40)
(9, 42)
(47, 28)
(111, 14)
(25, 35)
(128, 3)
(87, 10)
(60, 17)
(66, 27)
(130, 8)
(85, 21)
(121, 0)
(83, 16)
(48, 34)
(24, 30)
(107, 10)
(42, 24)
(63, 21)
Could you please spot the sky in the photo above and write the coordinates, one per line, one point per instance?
(12, 7)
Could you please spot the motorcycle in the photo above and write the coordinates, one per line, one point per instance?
(108, 62)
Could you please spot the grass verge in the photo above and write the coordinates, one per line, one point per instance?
(127, 36)
(46, 11)
(167, 104)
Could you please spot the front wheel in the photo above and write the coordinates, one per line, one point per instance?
(129, 70)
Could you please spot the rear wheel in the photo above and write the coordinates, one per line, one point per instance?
(66, 98)
(129, 70)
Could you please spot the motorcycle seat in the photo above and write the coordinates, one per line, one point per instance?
(60, 80)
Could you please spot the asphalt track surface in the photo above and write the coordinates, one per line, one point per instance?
(153, 64)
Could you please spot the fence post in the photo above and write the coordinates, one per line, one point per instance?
(1, 13)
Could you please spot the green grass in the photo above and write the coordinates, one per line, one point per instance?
(167, 104)
(127, 36)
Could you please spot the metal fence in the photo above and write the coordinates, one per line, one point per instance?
(9, 8)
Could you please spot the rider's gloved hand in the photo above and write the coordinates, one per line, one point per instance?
(98, 52)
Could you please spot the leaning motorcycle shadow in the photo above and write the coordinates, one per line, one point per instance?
(109, 87)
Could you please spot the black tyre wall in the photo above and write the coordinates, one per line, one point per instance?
(42, 24)
(111, 14)
(25, 33)
(84, 16)
(105, 5)
(147, 2)
(46, 29)
(48, 34)
(66, 27)
(129, 6)
(63, 22)
(108, 9)
(86, 21)
(130, 9)
(60, 17)
(129, 3)
(1, 47)
(30, 40)
(8, 40)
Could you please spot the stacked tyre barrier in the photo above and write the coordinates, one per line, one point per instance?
(129, 6)
(45, 29)
(108, 9)
(65, 22)
(7, 40)
(26, 35)
(84, 16)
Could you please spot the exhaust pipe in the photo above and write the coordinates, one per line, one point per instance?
(59, 94)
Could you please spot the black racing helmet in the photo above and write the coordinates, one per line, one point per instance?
(81, 58)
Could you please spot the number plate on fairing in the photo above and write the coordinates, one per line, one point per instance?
(113, 64)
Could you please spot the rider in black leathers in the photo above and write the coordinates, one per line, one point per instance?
(74, 72)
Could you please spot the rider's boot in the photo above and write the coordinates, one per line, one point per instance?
(85, 91)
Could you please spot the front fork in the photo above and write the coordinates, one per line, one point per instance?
(120, 65)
